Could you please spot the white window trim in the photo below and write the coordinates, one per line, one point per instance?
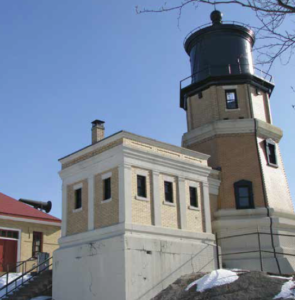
(230, 87)
(142, 172)
(194, 208)
(106, 201)
(77, 209)
(78, 186)
(169, 203)
(106, 175)
(233, 109)
(145, 174)
(169, 178)
(18, 241)
(142, 198)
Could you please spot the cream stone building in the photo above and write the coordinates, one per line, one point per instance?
(136, 215)
(24, 232)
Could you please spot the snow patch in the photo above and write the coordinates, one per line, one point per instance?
(215, 278)
(11, 277)
(287, 291)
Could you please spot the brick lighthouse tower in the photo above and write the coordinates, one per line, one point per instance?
(228, 117)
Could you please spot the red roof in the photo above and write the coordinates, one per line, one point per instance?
(13, 208)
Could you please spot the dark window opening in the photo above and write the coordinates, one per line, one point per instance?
(193, 196)
(244, 194)
(107, 189)
(258, 92)
(231, 99)
(37, 243)
(200, 95)
(9, 234)
(141, 186)
(271, 153)
(168, 191)
(78, 198)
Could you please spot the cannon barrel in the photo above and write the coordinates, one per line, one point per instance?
(46, 206)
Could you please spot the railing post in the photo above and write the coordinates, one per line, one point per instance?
(260, 255)
(7, 278)
(217, 250)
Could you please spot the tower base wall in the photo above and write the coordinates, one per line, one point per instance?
(247, 243)
(128, 262)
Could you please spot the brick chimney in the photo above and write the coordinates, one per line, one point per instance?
(97, 131)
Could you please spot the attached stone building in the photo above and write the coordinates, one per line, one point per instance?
(25, 231)
(136, 215)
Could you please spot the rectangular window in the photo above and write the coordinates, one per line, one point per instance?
(141, 186)
(78, 198)
(193, 193)
(271, 152)
(107, 194)
(168, 191)
(231, 99)
(244, 194)
(37, 243)
(9, 234)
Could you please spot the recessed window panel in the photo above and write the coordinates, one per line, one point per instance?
(141, 186)
(168, 191)
(193, 196)
(244, 194)
(78, 198)
(107, 189)
(231, 99)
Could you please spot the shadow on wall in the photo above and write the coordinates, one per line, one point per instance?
(177, 269)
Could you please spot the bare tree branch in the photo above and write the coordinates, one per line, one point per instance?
(273, 43)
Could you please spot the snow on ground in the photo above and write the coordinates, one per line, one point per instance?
(12, 276)
(287, 291)
(42, 298)
(215, 278)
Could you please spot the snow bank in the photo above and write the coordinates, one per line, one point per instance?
(215, 278)
(287, 291)
(12, 276)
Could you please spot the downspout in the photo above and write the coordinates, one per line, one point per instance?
(265, 197)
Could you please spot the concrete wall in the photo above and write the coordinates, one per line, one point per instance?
(237, 222)
(127, 262)
(94, 270)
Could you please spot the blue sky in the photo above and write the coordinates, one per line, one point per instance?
(65, 63)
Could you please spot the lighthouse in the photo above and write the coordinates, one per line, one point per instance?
(227, 105)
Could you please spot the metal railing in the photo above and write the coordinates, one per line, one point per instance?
(259, 249)
(210, 24)
(224, 70)
(15, 284)
(16, 267)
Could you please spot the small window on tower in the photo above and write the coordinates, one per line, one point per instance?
(244, 194)
(231, 99)
(270, 148)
